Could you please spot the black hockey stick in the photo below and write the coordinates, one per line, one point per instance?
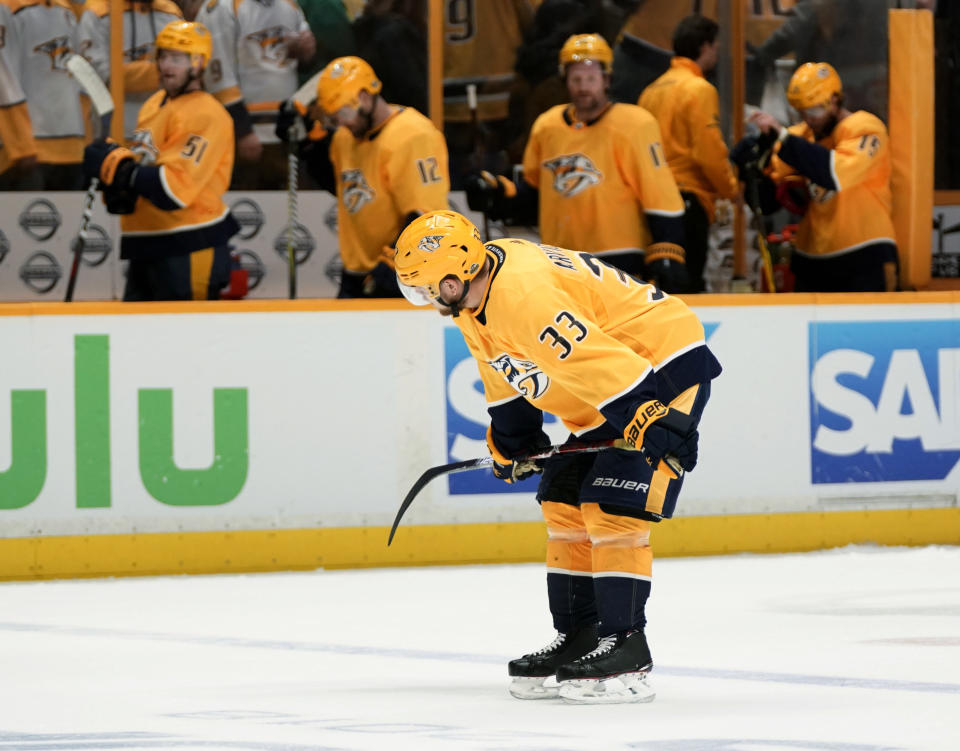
(487, 461)
(88, 79)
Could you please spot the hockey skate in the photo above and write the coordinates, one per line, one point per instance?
(613, 673)
(532, 671)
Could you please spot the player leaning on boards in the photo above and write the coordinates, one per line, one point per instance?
(597, 172)
(169, 187)
(561, 331)
(834, 167)
(386, 164)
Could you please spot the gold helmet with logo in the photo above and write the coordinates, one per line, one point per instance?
(436, 246)
(342, 81)
(813, 85)
(186, 36)
(586, 47)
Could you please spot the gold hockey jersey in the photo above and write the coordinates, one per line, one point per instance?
(189, 140)
(40, 109)
(399, 168)
(142, 21)
(480, 39)
(580, 339)
(597, 180)
(687, 108)
(859, 212)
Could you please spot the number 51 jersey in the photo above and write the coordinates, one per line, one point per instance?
(189, 138)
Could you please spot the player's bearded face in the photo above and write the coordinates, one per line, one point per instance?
(173, 68)
(587, 85)
(822, 120)
(355, 119)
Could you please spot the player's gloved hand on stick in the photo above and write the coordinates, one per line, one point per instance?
(294, 115)
(666, 266)
(664, 434)
(486, 191)
(101, 159)
(506, 469)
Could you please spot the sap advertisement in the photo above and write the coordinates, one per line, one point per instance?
(884, 400)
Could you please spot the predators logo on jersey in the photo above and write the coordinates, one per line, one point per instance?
(357, 193)
(141, 144)
(573, 174)
(273, 48)
(58, 49)
(524, 376)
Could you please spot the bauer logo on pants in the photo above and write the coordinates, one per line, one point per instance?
(884, 400)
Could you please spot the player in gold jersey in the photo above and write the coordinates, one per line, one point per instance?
(561, 331)
(386, 165)
(841, 162)
(169, 186)
(599, 173)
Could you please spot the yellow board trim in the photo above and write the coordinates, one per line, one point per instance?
(365, 547)
(320, 305)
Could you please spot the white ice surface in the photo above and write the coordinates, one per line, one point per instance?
(854, 650)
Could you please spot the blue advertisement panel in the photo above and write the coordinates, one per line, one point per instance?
(884, 400)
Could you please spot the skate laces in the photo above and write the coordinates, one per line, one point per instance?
(606, 644)
(557, 642)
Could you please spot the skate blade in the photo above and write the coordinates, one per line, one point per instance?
(533, 688)
(629, 688)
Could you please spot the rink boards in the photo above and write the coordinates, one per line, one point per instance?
(260, 435)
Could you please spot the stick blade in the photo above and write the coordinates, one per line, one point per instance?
(85, 74)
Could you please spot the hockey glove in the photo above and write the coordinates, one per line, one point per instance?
(506, 469)
(487, 192)
(666, 267)
(294, 115)
(101, 159)
(664, 434)
(120, 196)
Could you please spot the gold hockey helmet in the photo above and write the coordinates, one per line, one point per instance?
(586, 47)
(813, 85)
(342, 81)
(438, 245)
(186, 36)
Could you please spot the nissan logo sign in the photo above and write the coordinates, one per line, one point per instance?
(4, 246)
(97, 247)
(249, 216)
(251, 263)
(40, 219)
(40, 272)
(303, 244)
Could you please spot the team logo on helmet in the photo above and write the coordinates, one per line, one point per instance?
(430, 243)
(272, 44)
(356, 192)
(573, 174)
(524, 376)
(59, 50)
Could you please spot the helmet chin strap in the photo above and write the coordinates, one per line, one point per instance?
(192, 75)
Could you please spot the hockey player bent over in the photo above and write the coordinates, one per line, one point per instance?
(561, 331)
(170, 185)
